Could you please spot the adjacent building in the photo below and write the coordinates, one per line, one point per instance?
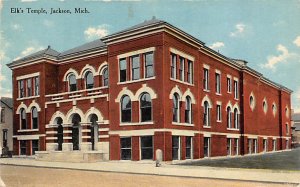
(151, 86)
(6, 124)
(296, 130)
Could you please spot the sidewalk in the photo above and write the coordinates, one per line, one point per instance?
(258, 175)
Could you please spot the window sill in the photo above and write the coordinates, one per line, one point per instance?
(137, 124)
(219, 94)
(207, 127)
(206, 90)
(236, 99)
(28, 130)
(31, 97)
(138, 80)
(219, 121)
(183, 124)
(183, 82)
(233, 129)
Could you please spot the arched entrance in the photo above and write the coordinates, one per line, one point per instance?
(76, 119)
(94, 130)
(60, 133)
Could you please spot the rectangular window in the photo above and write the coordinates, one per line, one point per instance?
(36, 86)
(181, 69)
(35, 146)
(2, 119)
(219, 113)
(265, 145)
(149, 65)
(274, 145)
(135, 63)
(228, 85)
(218, 83)
(146, 147)
(236, 90)
(125, 148)
(188, 147)
(175, 147)
(29, 88)
(23, 147)
(205, 79)
(123, 70)
(173, 66)
(287, 129)
(254, 145)
(286, 144)
(249, 146)
(190, 72)
(206, 147)
(228, 146)
(21, 89)
(4, 140)
(236, 146)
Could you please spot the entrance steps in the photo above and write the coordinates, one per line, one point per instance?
(70, 156)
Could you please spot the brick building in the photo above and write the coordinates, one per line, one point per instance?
(152, 86)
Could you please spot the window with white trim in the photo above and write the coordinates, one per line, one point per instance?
(72, 82)
(228, 146)
(149, 64)
(218, 83)
(21, 88)
(205, 79)
(29, 87)
(125, 109)
(23, 118)
(188, 110)
(175, 107)
(228, 117)
(135, 65)
(274, 145)
(173, 65)
(236, 95)
(188, 147)
(206, 114)
(35, 118)
(125, 148)
(235, 146)
(146, 147)
(23, 147)
(36, 86)
(219, 113)
(176, 148)
(181, 68)
(236, 118)
(123, 69)
(190, 73)
(146, 107)
(265, 145)
(265, 106)
(34, 146)
(228, 85)
(89, 80)
(105, 77)
(207, 145)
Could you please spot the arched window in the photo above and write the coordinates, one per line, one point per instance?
(35, 118)
(175, 107)
(228, 117)
(76, 119)
(72, 82)
(105, 77)
(274, 109)
(252, 102)
(236, 119)
(265, 107)
(89, 80)
(188, 110)
(206, 114)
(94, 130)
(125, 109)
(23, 118)
(146, 107)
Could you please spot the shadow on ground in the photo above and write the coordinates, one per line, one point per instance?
(287, 160)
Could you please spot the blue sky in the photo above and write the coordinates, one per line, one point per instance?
(265, 33)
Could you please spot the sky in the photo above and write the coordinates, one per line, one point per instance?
(266, 33)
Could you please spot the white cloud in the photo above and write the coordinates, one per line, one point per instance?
(239, 30)
(217, 45)
(16, 27)
(29, 50)
(48, 23)
(96, 32)
(297, 41)
(274, 60)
